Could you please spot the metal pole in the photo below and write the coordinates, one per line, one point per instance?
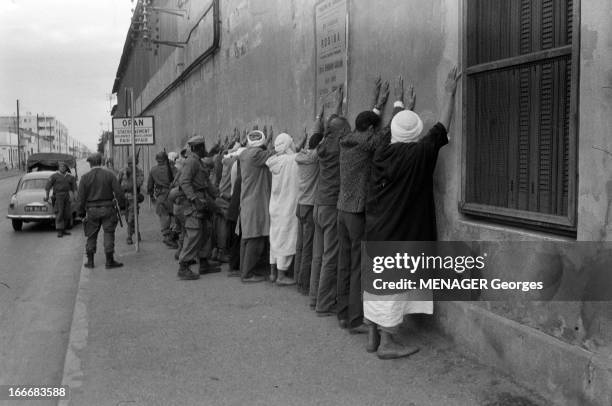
(134, 169)
(18, 150)
(37, 135)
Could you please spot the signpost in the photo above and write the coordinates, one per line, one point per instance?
(331, 39)
(133, 131)
(144, 127)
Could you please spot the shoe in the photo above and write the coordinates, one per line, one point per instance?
(66, 232)
(395, 351)
(60, 234)
(254, 279)
(312, 305)
(360, 329)
(284, 280)
(90, 261)
(233, 274)
(389, 349)
(184, 273)
(129, 240)
(343, 323)
(206, 268)
(110, 261)
(373, 338)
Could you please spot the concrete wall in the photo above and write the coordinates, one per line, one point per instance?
(263, 74)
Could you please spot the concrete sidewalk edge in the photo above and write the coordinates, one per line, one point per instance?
(77, 339)
(563, 373)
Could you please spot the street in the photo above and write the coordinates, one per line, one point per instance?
(38, 278)
(138, 335)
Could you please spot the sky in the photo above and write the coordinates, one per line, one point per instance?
(60, 57)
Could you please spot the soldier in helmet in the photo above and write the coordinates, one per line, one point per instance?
(197, 208)
(126, 181)
(158, 187)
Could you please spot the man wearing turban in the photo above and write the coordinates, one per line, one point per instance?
(254, 205)
(400, 207)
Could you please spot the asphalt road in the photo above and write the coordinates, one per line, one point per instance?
(39, 274)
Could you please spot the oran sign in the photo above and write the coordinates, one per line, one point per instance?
(144, 128)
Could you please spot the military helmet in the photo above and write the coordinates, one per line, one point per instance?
(161, 156)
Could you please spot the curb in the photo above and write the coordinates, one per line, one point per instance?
(564, 373)
(77, 340)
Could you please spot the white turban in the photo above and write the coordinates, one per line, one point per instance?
(256, 138)
(406, 126)
(284, 143)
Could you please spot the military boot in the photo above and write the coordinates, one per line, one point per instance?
(185, 273)
(110, 261)
(90, 260)
(170, 243)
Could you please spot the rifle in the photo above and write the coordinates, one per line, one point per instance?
(117, 212)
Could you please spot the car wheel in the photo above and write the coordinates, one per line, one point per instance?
(17, 225)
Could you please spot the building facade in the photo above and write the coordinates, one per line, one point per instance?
(530, 157)
(47, 134)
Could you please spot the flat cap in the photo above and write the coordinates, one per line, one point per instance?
(195, 140)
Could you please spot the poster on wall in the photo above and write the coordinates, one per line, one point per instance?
(331, 23)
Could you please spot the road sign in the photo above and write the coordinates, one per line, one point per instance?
(144, 127)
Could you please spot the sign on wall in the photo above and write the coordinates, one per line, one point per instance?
(331, 23)
(144, 128)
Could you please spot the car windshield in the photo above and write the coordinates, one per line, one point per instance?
(30, 184)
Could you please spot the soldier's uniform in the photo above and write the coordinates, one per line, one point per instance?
(62, 184)
(158, 187)
(198, 206)
(125, 180)
(176, 198)
(97, 189)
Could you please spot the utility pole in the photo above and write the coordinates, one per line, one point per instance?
(18, 147)
(130, 92)
(37, 135)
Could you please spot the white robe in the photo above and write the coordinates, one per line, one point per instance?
(283, 204)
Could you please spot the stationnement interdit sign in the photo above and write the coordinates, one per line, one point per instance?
(144, 128)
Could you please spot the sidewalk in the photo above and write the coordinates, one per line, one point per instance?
(10, 173)
(140, 336)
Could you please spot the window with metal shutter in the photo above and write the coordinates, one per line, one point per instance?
(520, 87)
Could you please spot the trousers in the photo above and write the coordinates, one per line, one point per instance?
(196, 243)
(130, 219)
(63, 210)
(351, 229)
(303, 249)
(254, 254)
(96, 218)
(323, 274)
(163, 213)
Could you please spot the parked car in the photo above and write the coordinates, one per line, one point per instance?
(27, 203)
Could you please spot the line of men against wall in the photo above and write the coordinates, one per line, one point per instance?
(295, 214)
